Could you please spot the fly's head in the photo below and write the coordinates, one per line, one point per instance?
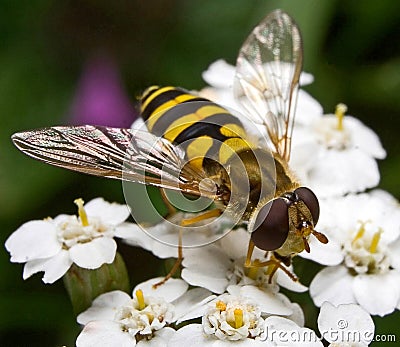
(285, 224)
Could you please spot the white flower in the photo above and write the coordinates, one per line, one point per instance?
(363, 253)
(221, 264)
(345, 325)
(52, 245)
(117, 319)
(284, 332)
(339, 147)
(234, 320)
(231, 318)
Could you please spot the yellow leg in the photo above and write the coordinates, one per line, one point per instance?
(250, 250)
(275, 264)
(177, 264)
(209, 214)
(186, 222)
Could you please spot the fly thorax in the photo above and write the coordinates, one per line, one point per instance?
(252, 176)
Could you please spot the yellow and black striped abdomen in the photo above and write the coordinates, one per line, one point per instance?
(201, 127)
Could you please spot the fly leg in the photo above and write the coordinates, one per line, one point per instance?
(273, 264)
(177, 264)
(250, 250)
(183, 223)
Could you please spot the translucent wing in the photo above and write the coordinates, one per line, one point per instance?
(267, 77)
(124, 154)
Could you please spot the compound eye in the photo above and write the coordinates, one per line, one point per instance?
(310, 200)
(271, 226)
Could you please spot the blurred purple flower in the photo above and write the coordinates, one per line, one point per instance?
(100, 98)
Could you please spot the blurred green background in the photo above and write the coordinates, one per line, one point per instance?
(352, 48)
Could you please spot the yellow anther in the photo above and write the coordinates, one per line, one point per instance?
(238, 313)
(340, 111)
(220, 305)
(375, 240)
(140, 299)
(360, 232)
(81, 212)
(150, 316)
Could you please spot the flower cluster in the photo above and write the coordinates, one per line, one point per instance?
(53, 245)
(229, 302)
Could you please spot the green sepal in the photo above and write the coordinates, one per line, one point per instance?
(84, 285)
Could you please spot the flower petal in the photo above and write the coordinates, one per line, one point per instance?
(349, 171)
(333, 284)
(200, 278)
(110, 213)
(284, 332)
(326, 254)
(286, 282)
(190, 335)
(191, 304)
(104, 334)
(54, 268)
(268, 301)
(298, 315)
(308, 109)
(346, 323)
(128, 230)
(306, 78)
(364, 138)
(160, 338)
(93, 254)
(378, 294)
(33, 240)
(132, 232)
(395, 254)
(104, 307)
(207, 267)
(169, 291)
(220, 74)
(235, 244)
(135, 235)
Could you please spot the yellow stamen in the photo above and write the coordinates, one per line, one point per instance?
(220, 305)
(375, 240)
(340, 110)
(140, 299)
(238, 313)
(151, 317)
(360, 232)
(81, 211)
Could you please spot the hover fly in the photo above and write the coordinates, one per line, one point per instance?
(199, 148)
